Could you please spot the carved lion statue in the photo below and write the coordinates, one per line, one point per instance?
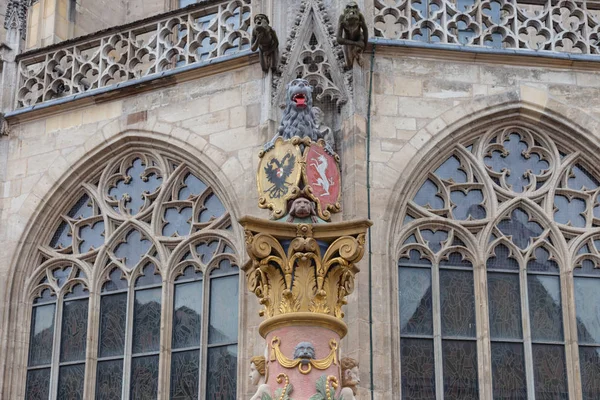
(298, 116)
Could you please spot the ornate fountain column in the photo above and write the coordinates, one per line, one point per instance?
(301, 266)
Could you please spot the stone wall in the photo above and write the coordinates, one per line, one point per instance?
(419, 101)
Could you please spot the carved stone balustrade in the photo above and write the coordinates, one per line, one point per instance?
(197, 33)
(303, 272)
(541, 25)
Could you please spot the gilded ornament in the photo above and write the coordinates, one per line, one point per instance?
(304, 356)
(278, 176)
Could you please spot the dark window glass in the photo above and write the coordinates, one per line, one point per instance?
(112, 324)
(213, 208)
(192, 187)
(74, 330)
(428, 196)
(508, 371)
(550, 376)
(146, 321)
(70, 382)
(519, 160)
(545, 312)
(185, 367)
(42, 334)
(222, 370)
(223, 315)
(587, 298)
(136, 187)
(418, 369)
(542, 262)
(92, 236)
(38, 384)
(502, 261)
(178, 221)
(460, 370)
(133, 248)
(415, 301)
(187, 314)
(457, 303)
(505, 306)
(144, 378)
(109, 380)
(589, 359)
(519, 227)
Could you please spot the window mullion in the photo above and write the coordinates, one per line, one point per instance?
(204, 336)
(56, 349)
(164, 358)
(528, 348)
(128, 342)
(570, 345)
(482, 325)
(93, 332)
(437, 331)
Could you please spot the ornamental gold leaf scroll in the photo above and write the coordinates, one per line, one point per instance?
(300, 278)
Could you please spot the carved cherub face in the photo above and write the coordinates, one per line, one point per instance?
(351, 377)
(305, 351)
(299, 93)
(302, 208)
(254, 374)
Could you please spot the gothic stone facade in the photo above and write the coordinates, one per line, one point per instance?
(408, 110)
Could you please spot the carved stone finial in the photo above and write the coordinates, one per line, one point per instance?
(352, 34)
(264, 39)
(16, 16)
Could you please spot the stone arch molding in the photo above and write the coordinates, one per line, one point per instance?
(515, 182)
(90, 215)
(311, 52)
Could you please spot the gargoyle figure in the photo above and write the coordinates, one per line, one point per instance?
(352, 34)
(350, 378)
(265, 40)
(303, 208)
(304, 351)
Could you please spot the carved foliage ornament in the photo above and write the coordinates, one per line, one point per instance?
(301, 274)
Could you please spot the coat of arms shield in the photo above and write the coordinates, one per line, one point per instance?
(279, 173)
(322, 178)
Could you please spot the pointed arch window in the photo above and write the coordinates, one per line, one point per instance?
(520, 212)
(154, 241)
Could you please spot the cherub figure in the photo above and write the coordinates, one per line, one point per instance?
(350, 378)
(257, 377)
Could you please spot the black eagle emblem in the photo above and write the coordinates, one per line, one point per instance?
(277, 173)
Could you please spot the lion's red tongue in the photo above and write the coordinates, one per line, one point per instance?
(300, 101)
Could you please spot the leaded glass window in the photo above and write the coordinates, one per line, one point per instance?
(58, 335)
(150, 244)
(518, 213)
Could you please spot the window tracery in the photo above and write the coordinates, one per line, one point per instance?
(523, 210)
(147, 244)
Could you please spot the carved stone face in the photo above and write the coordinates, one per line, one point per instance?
(302, 208)
(304, 351)
(261, 21)
(254, 374)
(299, 93)
(351, 377)
(351, 12)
